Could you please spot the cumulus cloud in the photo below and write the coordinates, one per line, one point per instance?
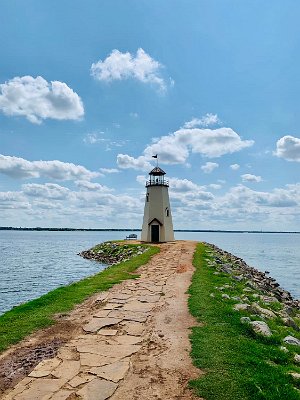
(36, 99)
(215, 186)
(13, 200)
(206, 120)
(251, 178)
(118, 66)
(184, 192)
(86, 185)
(17, 167)
(183, 185)
(109, 170)
(234, 167)
(175, 147)
(209, 167)
(125, 161)
(288, 147)
(47, 190)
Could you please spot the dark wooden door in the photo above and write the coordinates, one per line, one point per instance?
(154, 233)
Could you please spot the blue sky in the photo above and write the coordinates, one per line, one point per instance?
(90, 90)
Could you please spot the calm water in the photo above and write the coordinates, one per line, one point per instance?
(32, 263)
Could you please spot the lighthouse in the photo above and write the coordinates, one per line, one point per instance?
(157, 223)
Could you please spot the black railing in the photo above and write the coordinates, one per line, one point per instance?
(157, 183)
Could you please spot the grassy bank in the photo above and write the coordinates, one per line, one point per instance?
(238, 363)
(33, 315)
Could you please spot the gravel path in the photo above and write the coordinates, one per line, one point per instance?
(130, 342)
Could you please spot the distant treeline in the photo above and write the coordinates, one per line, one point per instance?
(12, 228)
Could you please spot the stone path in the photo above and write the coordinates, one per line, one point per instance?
(135, 344)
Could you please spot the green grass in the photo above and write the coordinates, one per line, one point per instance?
(238, 364)
(22, 320)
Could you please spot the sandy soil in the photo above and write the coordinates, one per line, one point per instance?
(128, 343)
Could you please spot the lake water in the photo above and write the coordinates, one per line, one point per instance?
(33, 263)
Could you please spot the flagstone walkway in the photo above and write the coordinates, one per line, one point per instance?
(135, 344)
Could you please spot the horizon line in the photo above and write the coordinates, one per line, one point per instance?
(139, 230)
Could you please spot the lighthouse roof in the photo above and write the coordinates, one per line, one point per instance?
(157, 171)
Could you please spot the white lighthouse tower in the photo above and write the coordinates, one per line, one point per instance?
(157, 223)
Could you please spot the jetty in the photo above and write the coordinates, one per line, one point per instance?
(193, 322)
(132, 341)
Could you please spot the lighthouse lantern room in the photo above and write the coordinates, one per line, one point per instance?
(157, 223)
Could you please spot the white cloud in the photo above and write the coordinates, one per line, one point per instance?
(175, 147)
(47, 190)
(17, 167)
(109, 170)
(141, 179)
(215, 186)
(251, 178)
(183, 185)
(87, 185)
(95, 137)
(184, 192)
(36, 99)
(209, 167)
(125, 161)
(118, 66)
(134, 115)
(234, 167)
(13, 201)
(206, 120)
(288, 147)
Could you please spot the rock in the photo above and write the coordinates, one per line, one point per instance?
(292, 340)
(261, 328)
(241, 307)
(44, 368)
(126, 339)
(225, 296)
(138, 306)
(112, 372)
(114, 351)
(227, 268)
(79, 380)
(295, 375)
(269, 299)
(107, 332)
(264, 312)
(129, 315)
(238, 277)
(36, 391)
(297, 358)
(67, 370)
(288, 321)
(212, 295)
(284, 349)
(97, 389)
(95, 360)
(245, 320)
(97, 323)
(134, 328)
(63, 394)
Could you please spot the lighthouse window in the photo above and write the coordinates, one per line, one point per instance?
(147, 197)
(167, 211)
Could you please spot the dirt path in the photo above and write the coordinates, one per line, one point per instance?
(128, 343)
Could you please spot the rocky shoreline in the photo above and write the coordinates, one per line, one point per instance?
(112, 253)
(240, 270)
(260, 299)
